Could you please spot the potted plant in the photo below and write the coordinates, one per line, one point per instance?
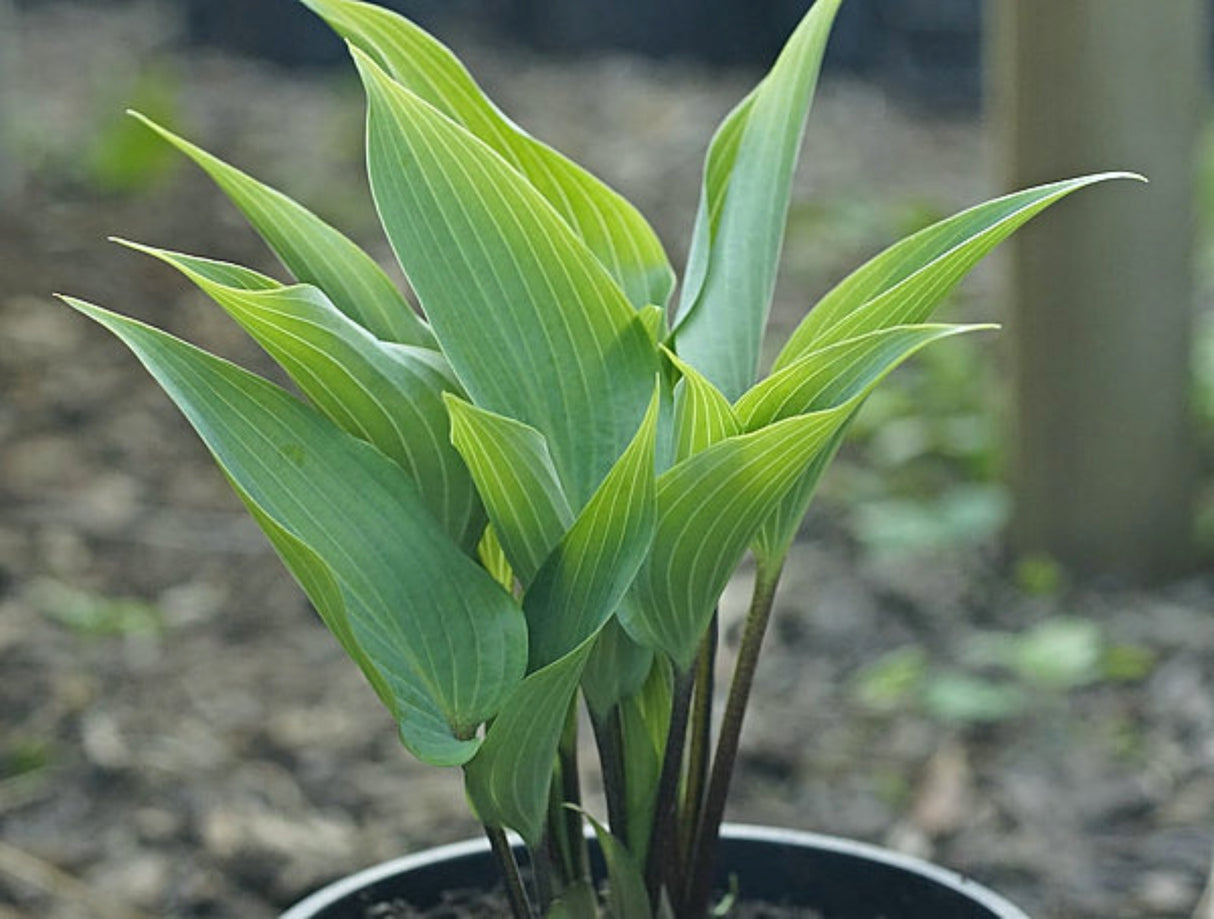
(529, 500)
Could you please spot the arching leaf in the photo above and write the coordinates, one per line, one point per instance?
(312, 250)
(447, 642)
(509, 778)
(905, 283)
(828, 377)
(387, 394)
(709, 508)
(610, 226)
(821, 380)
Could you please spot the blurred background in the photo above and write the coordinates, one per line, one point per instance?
(994, 645)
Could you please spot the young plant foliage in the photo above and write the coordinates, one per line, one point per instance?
(533, 495)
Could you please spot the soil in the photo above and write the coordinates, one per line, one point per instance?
(180, 737)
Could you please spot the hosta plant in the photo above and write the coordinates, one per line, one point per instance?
(527, 499)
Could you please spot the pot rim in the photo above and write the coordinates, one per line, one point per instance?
(352, 883)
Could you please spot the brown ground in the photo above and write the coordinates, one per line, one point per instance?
(178, 735)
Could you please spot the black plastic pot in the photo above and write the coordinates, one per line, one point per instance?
(838, 878)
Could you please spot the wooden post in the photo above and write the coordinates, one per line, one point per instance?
(8, 165)
(1103, 463)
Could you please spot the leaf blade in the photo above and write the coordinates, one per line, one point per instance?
(517, 480)
(744, 203)
(531, 322)
(508, 779)
(905, 283)
(611, 227)
(829, 377)
(387, 394)
(312, 250)
(709, 508)
(587, 575)
(448, 642)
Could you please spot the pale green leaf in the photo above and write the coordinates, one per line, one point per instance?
(312, 250)
(610, 226)
(645, 723)
(906, 282)
(702, 414)
(828, 377)
(585, 578)
(448, 643)
(709, 508)
(780, 528)
(744, 202)
(508, 780)
(821, 380)
(493, 558)
(532, 324)
(517, 481)
(387, 394)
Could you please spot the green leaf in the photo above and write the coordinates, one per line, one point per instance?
(508, 779)
(774, 537)
(617, 669)
(645, 720)
(610, 226)
(709, 508)
(627, 896)
(702, 414)
(712, 505)
(576, 901)
(448, 644)
(828, 377)
(532, 324)
(493, 558)
(820, 380)
(906, 282)
(387, 394)
(744, 202)
(312, 250)
(514, 474)
(585, 578)
(318, 582)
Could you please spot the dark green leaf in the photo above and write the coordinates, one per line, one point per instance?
(533, 325)
(439, 639)
(387, 394)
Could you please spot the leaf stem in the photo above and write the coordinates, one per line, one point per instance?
(699, 736)
(571, 798)
(520, 905)
(663, 862)
(698, 889)
(609, 737)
